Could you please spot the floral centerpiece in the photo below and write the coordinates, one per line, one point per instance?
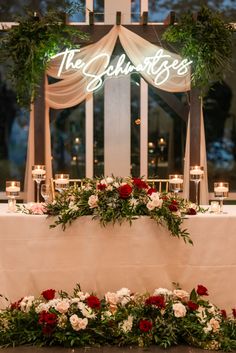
(114, 200)
(164, 318)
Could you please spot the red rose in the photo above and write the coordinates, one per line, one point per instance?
(201, 290)
(192, 306)
(125, 191)
(157, 300)
(47, 330)
(234, 313)
(174, 202)
(46, 318)
(223, 313)
(151, 190)
(140, 184)
(48, 294)
(145, 325)
(191, 211)
(173, 208)
(93, 302)
(164, 198)
(101, 186)
(16, 305)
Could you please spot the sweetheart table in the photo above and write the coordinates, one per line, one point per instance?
(141, 257)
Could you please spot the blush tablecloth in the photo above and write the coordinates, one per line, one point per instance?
(141, 257)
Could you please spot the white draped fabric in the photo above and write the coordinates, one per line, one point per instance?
(71, 89)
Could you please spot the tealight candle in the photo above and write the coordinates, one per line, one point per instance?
(38, 171)
(61, 181)
(196, 171)
(12, 191)
(221, 191)
(38, 175)
(176, 180)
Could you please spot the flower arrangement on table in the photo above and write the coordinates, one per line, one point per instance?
(114, 200)
(164, 318)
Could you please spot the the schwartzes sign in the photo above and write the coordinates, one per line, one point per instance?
(160, 67)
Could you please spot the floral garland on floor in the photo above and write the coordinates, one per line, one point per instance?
(164, 318)
(114, 200)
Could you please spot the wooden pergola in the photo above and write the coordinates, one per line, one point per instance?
(152, 33)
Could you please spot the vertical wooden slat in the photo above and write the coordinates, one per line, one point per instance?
(195, 130)
(39, 125)
(89, 137)
(144, 128)
(89, 8)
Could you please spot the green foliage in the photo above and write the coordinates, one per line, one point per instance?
(26, 49)
(84, 320)
(207, 41)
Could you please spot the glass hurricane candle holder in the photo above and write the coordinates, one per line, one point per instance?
(46, 192)
(12, 191)
(196, 174)
(221, 192)
(61, 181)
(176, 183)
(38, 175)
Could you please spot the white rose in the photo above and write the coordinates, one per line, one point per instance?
(26, 303)
(86, 311)
(201, 314)
(106, 315)
(214, 324)
(181, 294)
(73, 207)
(93, 201)
(82, 295)
(109, 180)
(207, 328)
(42, 307)
(126, 325)
(163, 291)
(150, 206)
(111, 298)
(62, 306)
(77, 323)
(116, 185)
(123, 292)
(103, 182)
(179, 310)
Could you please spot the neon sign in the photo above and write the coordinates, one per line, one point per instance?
(160, 66)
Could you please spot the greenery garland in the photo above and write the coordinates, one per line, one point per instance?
(165, 318)
(207, 41)
(116, 200)
(27, 48)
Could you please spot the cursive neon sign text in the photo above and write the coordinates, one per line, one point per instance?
(160, 66)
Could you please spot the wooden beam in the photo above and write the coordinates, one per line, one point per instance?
(118, 18)
(181, 109)
(39, 125)
(144, 18)
(195, 133)
(148, 32)
(170, 19)
(91, 18)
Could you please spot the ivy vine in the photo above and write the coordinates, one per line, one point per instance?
(27, 47)
(207, 41)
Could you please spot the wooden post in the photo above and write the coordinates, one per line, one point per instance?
(39, 125)
(195, 133)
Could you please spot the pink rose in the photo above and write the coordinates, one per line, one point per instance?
(38, 208)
